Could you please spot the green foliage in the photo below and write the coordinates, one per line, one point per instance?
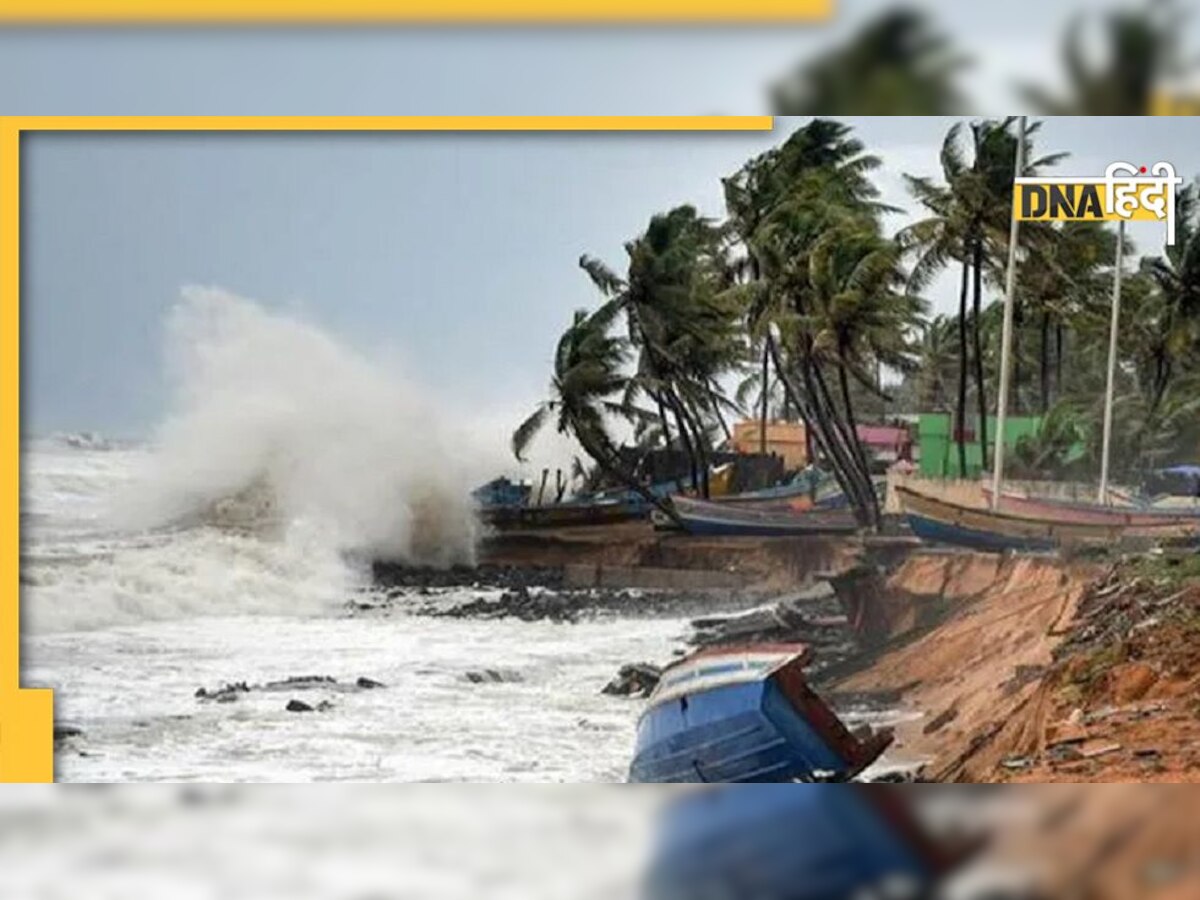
(1144, 52)
(803, 300)
(897, 65)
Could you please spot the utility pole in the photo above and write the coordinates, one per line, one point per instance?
(1114, 345)
(1006, 351)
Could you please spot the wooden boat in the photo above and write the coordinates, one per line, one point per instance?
(798, 495)
(746, 714)
(939, 521)
(1086, 513)
(810, 842)
(561, 515)
(702, 517)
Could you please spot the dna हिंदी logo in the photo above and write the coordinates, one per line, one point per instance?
(1125, 193)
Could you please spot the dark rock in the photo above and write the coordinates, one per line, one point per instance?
(393, 576)
(300, 683)
(368, 684)
(494, 676)
(298, 706)
(636, 680)
(225, 694)
(64, 732)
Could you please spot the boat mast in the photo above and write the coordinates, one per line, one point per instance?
(1006, 351)
(1114, 341)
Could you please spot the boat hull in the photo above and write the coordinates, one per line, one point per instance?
(937, 532)
(804, 842)
(722, 717)
(561, 516)
(723, 519)
(1088, 513)
(939, 521)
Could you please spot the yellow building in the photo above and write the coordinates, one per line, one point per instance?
(784, 439)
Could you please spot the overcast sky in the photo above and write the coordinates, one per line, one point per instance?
(454, 254)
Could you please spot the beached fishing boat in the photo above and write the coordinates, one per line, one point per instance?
(702, 517)
(943, 522)
(746, 714)
(561, 515)
(1087, 513)
(809, 842)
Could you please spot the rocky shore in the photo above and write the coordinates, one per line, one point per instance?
(1010, 669)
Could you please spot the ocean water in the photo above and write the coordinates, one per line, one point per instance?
(233, 546)
(441, 842)
(127, 626)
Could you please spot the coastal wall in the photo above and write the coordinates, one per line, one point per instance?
(636, 556)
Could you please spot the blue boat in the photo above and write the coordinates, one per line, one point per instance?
(933, 531)
(940, 521)
(800, 842)
(702, 517)
(746, 715)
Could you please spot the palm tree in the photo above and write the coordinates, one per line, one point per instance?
(939, 363)
(944, 238)
(682, 320)
(1144, 52)
(861, 310)
(1063, 280)
(828, 272)
(969, 225)
(896, 65)
(767, 216)
(587, 390)
(1176, 277)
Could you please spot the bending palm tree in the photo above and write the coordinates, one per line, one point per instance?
(586, 388)
(683, 322)
(1144, 53)
(897, 65)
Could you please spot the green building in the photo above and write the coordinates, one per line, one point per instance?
(939, 445)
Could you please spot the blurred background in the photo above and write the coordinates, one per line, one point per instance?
(877, 57)
(552, 841)
(452, 841)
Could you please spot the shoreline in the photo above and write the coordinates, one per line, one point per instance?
(989, 669)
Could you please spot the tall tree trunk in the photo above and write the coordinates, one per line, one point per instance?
(695, 440)
(980, 374)
(860, 474)
(860, 450)
(666, 422)
(766, 397)
(608, 458)
(964, 363)
(801, 410)
(1060, 353)
(686, 440)
(818, 432)
(1045, 362)
(716, 405)
(703, 451)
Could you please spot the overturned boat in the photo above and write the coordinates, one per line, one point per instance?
(812, 842)
(746, 714)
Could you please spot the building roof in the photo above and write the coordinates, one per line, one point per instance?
(884, 436)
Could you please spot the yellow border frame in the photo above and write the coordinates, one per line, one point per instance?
(27, 715)
(323, 12)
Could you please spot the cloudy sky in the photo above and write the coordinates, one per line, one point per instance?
(453, 256)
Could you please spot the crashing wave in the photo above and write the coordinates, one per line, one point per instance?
(275, 423)
(84, 440)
